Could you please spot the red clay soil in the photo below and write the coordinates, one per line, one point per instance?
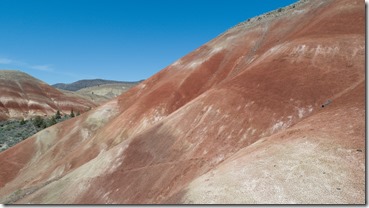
(239, 120)
(23, 96)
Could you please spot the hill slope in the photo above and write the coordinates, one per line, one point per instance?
(23, 96)
(239, 120)
(89, 83)
(105, 92)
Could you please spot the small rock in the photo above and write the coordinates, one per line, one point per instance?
(359, 150)
(339, 189)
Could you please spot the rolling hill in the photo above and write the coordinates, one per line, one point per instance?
(270, 112)
(75, 86)
(23, 96)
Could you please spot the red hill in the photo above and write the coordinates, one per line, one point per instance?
(239, 120)
(23, 96)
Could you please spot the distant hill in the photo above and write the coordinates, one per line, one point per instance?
(23, 96)
(102, 93)
(75, 86)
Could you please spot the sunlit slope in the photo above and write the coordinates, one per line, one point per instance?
(239, 120)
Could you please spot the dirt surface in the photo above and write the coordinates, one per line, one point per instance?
(239, 120)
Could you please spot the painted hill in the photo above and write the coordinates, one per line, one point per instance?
(23, 96)
(75, 86)
(271, 111)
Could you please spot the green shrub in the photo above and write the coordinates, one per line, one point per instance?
(57, 115)
(15, 131)
(71, 113)
(22, 122)
(52, 121)
(39, 122)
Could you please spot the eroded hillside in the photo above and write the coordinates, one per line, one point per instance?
(239, 120)
(23, 96)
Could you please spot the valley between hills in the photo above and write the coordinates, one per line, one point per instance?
(29, 105)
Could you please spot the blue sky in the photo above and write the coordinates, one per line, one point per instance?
(68, 40)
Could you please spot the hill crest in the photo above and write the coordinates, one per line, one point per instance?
(85, 83)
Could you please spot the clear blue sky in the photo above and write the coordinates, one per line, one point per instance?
(68, 40)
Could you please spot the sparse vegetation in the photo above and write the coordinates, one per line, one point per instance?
(22, 122)
(15, 131)
(52, 121)
(57, 115)
(38, 122)
(270, 15)
(71, 113)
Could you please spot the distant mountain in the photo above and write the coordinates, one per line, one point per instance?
(89, 83)
(23, 96)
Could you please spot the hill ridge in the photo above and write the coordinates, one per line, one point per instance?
(84, 83)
